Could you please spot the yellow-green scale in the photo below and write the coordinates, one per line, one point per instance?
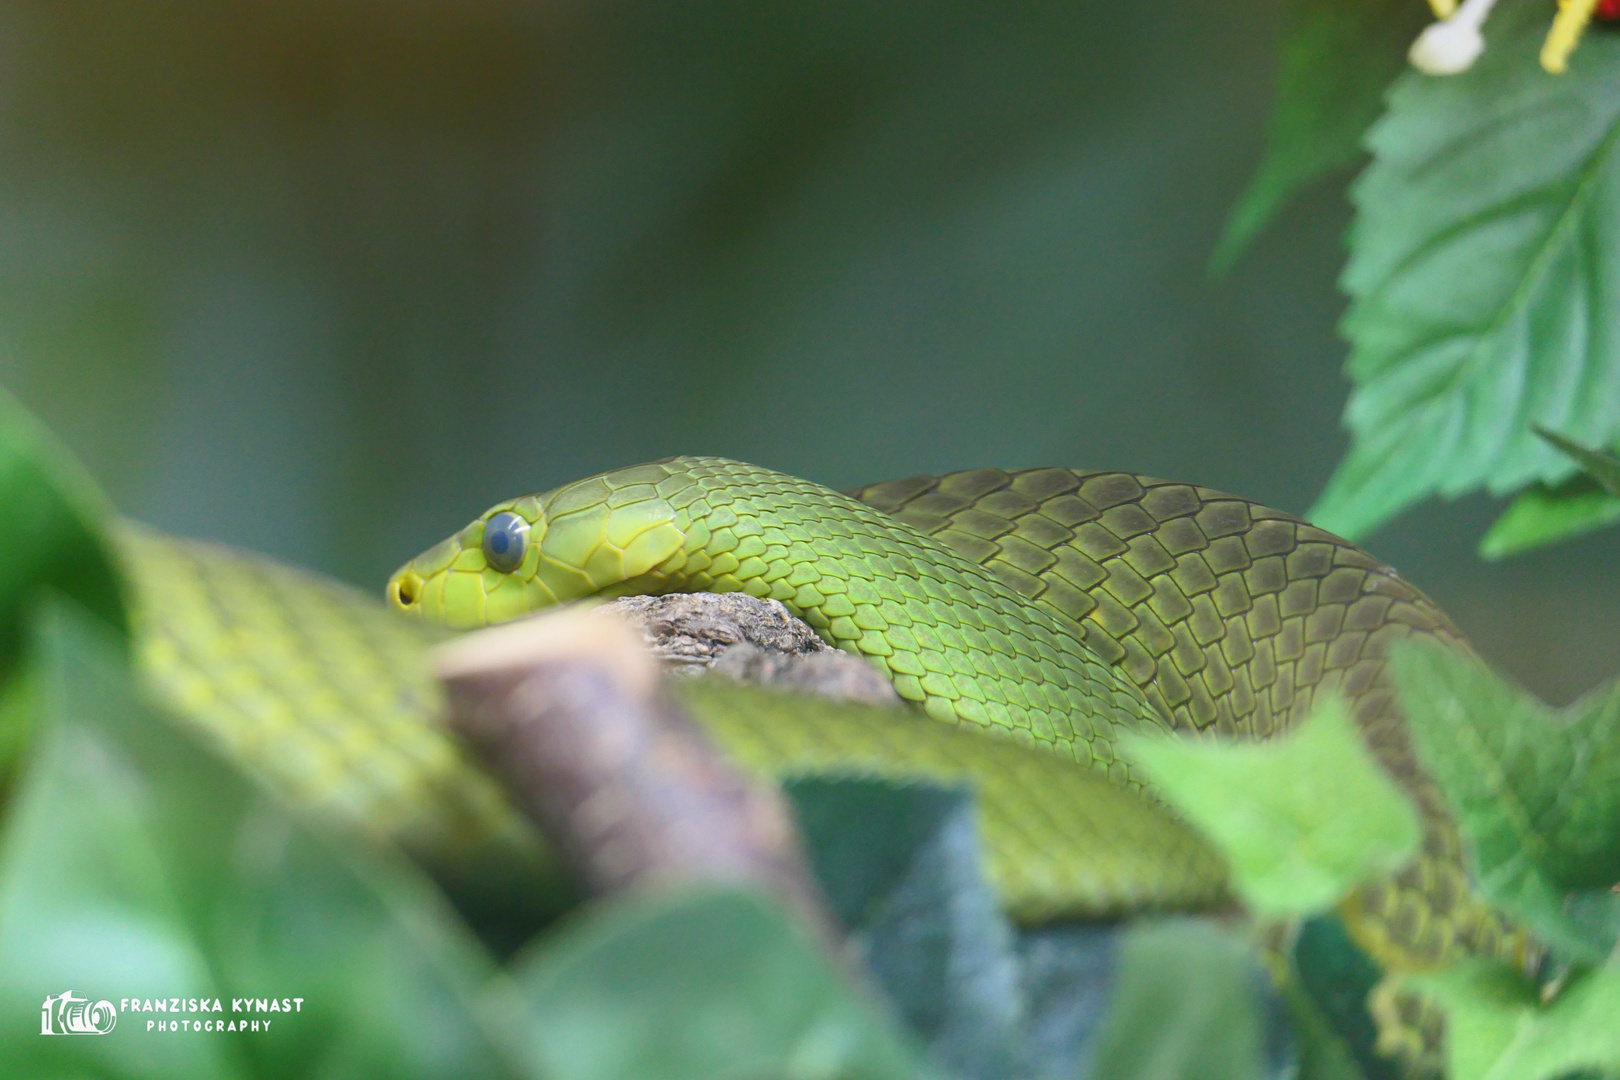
(951, 636)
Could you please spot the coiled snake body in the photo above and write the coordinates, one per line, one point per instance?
(1050, 605)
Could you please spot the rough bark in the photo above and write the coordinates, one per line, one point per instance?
(749, 640)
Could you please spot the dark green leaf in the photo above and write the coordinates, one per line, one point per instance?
(903, 868)
(53, 526)
(1327, 999)
(1497, 1029)
(52, 533)
(1188, 1005)
(1068, 980)
(1592, 913)
(1338, 57)
(1578, 925)
(135, 865)
(704, 985)
(862, 835)
(1323, 1053)
(1536, 790)
(1599, 465)
(1301, 819)
(1484, 271)
(1546, 513)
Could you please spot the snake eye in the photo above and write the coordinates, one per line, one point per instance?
(506, 540)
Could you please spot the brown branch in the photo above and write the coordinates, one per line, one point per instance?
(568, 709)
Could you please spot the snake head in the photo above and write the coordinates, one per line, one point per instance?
(486, 573)
(603, 536)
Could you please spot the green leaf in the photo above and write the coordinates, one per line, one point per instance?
(1068, 975)
(902, 868)
(1485, 1005)
(1338, 57)
(1323, 1054)
(863, 835)
(1536, 790)
(1327, 998)
(52, 534)
(1497, 1029)
(703, 984)
(1546, 513)
(1600, 466)
(1484, 270)
(136, 865)
(53, 525)
(1301, 820)
(1188, 1005)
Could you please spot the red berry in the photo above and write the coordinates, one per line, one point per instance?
(1607, 11)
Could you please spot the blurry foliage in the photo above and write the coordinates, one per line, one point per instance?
(1184, 1007)
(715, 984)
(1546, 513)
(135, 864)
(1301, 819)
(1536, 792)
(1504, 1032)
(51, 537)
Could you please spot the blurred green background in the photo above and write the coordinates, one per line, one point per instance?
(326, 279)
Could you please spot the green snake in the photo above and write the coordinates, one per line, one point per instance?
(1052, 606)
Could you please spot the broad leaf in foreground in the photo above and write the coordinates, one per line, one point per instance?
(1337, 59)
(1189, 1004)
(1536, 790)
(135, 865)
(1302, 819)
(903, 872)
(1484, 271)
(1328, 982)
(695, 985)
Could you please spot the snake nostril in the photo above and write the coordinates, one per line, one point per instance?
(409, 589)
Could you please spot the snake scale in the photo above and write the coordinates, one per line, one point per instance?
(1053, 606)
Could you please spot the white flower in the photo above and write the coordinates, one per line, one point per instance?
(1447, 48)
(1452, 45)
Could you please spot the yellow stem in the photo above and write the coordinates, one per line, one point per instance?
(1573, 15)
